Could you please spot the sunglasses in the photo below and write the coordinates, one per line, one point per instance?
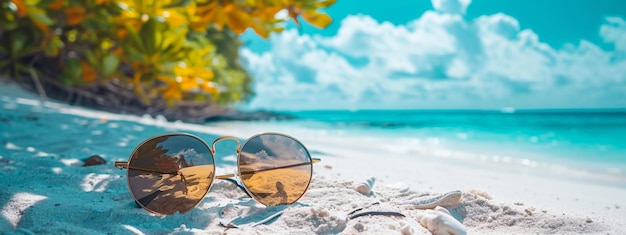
(173, 172)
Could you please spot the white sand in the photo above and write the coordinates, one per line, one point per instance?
(44, 190)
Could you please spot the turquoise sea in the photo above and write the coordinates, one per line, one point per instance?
(584, 141)
(581, 144)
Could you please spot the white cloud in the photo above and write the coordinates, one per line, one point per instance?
(614, 31)
(439, 60)
(451, 6)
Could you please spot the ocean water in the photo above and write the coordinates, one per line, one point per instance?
(584, 141)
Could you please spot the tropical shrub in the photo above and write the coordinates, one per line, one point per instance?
(162, 53)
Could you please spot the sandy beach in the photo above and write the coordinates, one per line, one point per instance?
(47, 190)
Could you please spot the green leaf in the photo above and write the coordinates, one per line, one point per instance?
(23, 68)
(39, 15)
(178, 3)
(91, 58)
(52, 49)
(19, 41)
(147, 33)
(176, 37)
(46, 2)
(135, 41)
(71, 72)
(7, 18)
(110, 64)
(135, 55)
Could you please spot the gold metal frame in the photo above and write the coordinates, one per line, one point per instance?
(237, 175)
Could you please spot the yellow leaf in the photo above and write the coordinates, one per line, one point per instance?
(265, 13)
(182, 71)
(197, 24)
(118, 52)
(22, 10)
(41, 26)
(141, 67)
(121, 33)
(220, 18)
(320, 20)
(205, 9)
(325, 4)
(205, 74)
(165, 79)
(89, 74)
(74, 15)
(205, 14)
(238, 20)
(52, 45)
(172, 92)
(56, 5)
(208, 87)
(260, 30)
(174, 18)
(188, 84)
(228, 7)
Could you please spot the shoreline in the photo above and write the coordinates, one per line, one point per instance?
(454, 152)
(189, 112)
(63, 196)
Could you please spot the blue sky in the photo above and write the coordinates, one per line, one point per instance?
(446, 54)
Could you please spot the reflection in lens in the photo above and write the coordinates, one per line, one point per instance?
(275, 169)
(170, 173)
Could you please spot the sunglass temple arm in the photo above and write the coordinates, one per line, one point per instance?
(124, 165)
(228, 177)
(222, 177)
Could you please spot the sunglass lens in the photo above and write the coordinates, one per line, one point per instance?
(170, 173)
(275, 169)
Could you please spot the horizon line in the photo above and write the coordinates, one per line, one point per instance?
(498, 110)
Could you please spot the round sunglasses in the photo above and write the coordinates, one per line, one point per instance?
(173, 172)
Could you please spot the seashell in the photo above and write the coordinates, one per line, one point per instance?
(448, 199)
(366, 186)
(440, 222)
(442, 209)
(401, 187)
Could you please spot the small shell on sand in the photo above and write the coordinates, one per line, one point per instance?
(366, 186)
(400, 187)
(439, 221)
(448, 199)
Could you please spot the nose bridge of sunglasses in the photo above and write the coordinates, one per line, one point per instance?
(237, 149)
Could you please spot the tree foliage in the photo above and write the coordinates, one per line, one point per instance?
(162, 50)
